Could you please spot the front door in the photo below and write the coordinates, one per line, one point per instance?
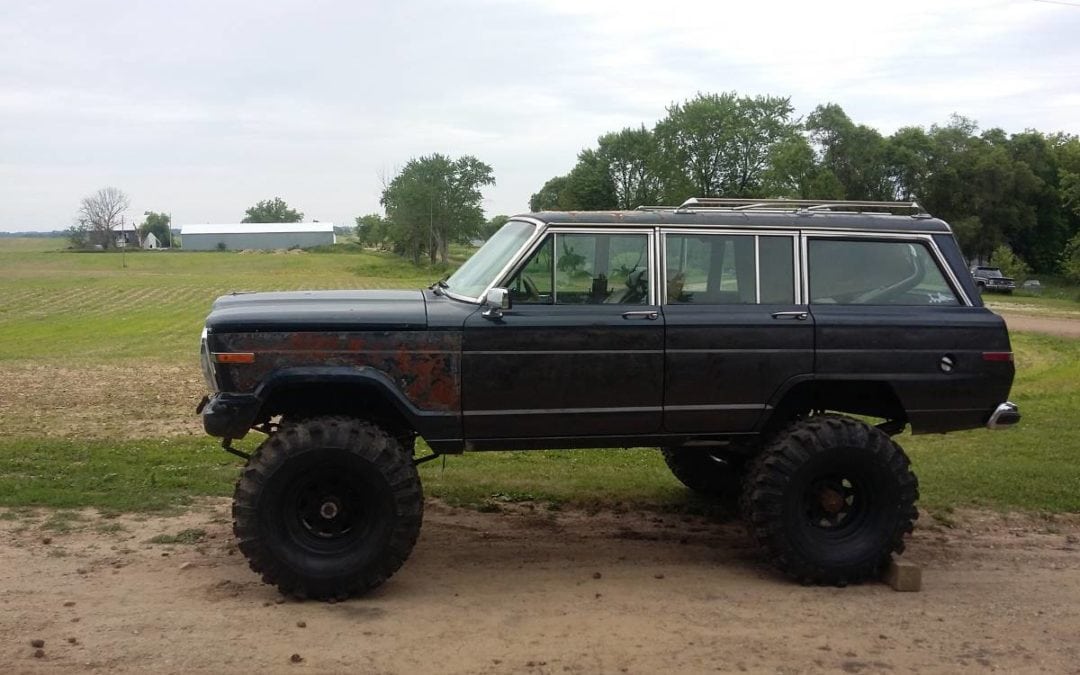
(581, 351)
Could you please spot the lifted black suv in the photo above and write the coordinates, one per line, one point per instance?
(734, 335)
(991, 279)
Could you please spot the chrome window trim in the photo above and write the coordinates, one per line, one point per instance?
(541, 226)
(927, 239)
(793, 235)
(648, 232)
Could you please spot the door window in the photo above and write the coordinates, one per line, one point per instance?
(848, 272)
(729, 269)
(585, 269)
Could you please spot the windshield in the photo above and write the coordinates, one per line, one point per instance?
(472, 278)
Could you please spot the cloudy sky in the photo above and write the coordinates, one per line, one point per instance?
(202, 108)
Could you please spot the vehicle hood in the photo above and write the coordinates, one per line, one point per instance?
(318, 311)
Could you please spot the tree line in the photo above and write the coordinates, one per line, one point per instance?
(1007, 196)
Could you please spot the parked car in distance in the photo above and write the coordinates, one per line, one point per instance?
(991, 279)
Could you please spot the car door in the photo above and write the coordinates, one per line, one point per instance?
(736, 330)
(580, 351)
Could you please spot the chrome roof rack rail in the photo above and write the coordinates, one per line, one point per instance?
(806, 205)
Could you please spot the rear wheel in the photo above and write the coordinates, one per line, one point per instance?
(830, 500)
(327, 508)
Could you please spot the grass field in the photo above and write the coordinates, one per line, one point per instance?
(85, 311)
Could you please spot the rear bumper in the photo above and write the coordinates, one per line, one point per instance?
(229, 415)
(1005, 415)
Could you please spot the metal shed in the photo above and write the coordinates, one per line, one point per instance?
(237, 236)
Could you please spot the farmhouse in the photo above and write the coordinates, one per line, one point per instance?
(237, 236)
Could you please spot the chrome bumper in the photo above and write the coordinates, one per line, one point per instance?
(1005, 415)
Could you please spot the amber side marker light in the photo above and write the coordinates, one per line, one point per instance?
(997, 356)
(234, 357)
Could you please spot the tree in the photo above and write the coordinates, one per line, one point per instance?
(158, 224)
(433, 201)
(854, 153)
(272, 211)
(1070, 260)
(631, 157)
(722, 144)
(372, 230)
(547, 199)
(492, 226)
(1011, 265)
(99, 214)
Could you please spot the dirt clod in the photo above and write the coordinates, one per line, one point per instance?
(296, 658)
(301, 624)
(596, 575)
(39, 653)
(73, 641)
(69, 603)
(37, 643)
(46, 540)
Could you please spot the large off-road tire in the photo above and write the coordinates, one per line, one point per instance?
(830, 500)
(328, 508)
(704, 472)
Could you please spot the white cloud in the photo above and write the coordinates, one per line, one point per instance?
(202, 108)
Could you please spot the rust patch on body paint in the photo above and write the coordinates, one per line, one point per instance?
(426, 366)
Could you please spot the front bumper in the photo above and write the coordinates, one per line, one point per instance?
(1005, 415)
(228, 415)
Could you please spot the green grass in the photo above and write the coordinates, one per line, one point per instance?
(189, 536)
(58, 305)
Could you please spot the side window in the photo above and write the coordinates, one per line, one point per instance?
(585, 269)
(723, 269)
(534, 284)
(850, 272)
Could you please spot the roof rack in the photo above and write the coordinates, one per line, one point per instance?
(807, 205)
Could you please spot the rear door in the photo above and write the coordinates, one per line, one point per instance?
(580, 352)
(736, 329)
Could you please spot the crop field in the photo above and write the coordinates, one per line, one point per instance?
(99, 377)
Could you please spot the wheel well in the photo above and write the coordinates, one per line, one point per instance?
(304, 400)
(854, 397)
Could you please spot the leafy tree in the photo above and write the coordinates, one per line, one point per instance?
(631, 157)
(1070, 259)
(158, 224)
(547, 199)
(99, 214)
(272, 211)
(1011, 265)
(433, 201)
(372, 230)
(854, 153)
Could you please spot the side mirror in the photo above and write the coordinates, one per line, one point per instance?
(495, 301)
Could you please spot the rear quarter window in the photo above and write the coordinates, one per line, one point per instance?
(875, 272)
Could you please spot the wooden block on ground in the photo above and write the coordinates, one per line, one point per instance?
(904, 576)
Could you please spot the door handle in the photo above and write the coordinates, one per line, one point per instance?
(650, 314)
(798, 316)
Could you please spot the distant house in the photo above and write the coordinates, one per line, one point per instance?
(127, 236)
(238, 236)
(150, 241)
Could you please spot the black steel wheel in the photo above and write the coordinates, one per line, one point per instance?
(830, 500)
(328, 508)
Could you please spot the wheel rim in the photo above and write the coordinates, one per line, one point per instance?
(331, 507)
(835, 504)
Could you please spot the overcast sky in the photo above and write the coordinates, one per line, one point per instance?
(202, 108)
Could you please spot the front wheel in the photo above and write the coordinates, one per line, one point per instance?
(830, 500)
(328, 508)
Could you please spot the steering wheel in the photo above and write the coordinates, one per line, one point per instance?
(531, 291)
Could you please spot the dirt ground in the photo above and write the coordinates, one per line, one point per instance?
(537, 591)
(1052, 325)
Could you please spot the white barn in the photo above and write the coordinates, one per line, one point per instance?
(238, 236)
